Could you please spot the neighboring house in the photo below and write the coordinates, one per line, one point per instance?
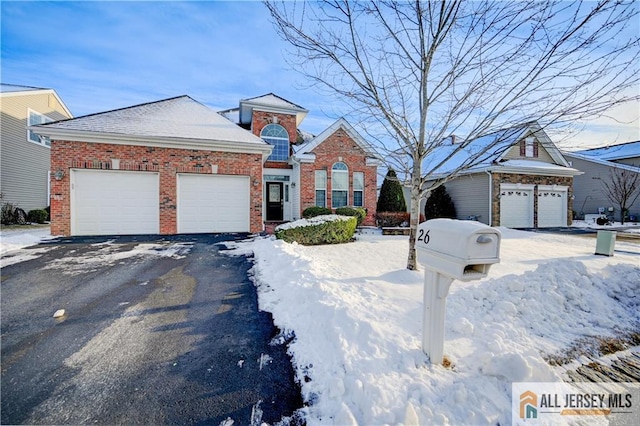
(598, 164)
(176, 166)
(24, 155)
(522, 181)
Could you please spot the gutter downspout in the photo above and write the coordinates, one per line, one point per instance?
(488, 172)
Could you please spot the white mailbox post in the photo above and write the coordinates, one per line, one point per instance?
(450, 250)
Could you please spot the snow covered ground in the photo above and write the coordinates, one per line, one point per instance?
(357, 317)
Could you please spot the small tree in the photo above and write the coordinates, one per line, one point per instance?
(622, 189)
(439, 204)
(391, 197)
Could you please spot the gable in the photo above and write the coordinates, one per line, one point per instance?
(540, 151)
(341, 133)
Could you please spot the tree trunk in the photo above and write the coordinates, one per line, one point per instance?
(416, 182)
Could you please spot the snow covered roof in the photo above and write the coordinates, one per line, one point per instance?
(579, 155)
(231, 114)
(271, 103)
(304, 151)
(613, 152)
(450, 158)
(180, 121)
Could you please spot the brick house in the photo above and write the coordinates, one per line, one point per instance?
(176, 166)
(521, 181)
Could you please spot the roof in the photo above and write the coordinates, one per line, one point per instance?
(270, 103)
(613, 152)
(580, 156)
(180, 121)
(487, 153)
(304, 151)
(10, 88)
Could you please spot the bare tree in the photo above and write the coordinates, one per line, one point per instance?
(622, 189)
(414, 73)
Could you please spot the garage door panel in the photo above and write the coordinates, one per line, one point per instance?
(516, 207)
(114, 202)
(552, 207)
(213, 203)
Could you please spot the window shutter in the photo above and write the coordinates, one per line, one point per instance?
(535, 149)
(523, 148)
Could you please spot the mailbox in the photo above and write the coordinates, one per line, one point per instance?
(460, 249)
(450, 249)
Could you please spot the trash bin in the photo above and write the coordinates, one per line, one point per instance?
(605, 243)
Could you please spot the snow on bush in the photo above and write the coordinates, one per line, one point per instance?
(317, 220)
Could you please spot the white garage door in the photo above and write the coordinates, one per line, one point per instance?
(516, 206)
(213, 203)
(107, 202)
(552, 206)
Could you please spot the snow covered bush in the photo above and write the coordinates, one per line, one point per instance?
(325, 229)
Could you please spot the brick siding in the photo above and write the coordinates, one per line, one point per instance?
(167, 161)
(339, 147)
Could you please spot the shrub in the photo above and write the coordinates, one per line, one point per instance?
(393, 219)
(358, 212)
(439, 204)
(315, 211)
(326, 229)
(13, 215)
(391, 197)
(37, 216)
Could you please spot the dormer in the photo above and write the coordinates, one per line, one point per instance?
(275, 120)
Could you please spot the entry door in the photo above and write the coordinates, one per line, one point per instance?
(275, 201)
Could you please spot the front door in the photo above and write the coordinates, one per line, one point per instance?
(275, 201)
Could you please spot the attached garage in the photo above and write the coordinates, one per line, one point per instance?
(552, 206)
(107, 202)
(516, 205)
(213, 203)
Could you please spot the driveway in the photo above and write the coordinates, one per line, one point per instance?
(156, 330)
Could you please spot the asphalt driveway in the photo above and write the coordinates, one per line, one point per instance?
(156, 331)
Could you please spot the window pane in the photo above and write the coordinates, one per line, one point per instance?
(340, 166)
(321, 198)
(338, 199)
(321, 179)
(339, 180)
(276, 135)
(358, 181)
(357, 199)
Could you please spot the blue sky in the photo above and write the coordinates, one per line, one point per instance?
(105, 55)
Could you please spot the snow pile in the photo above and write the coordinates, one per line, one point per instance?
(317, 220)
(16, 239)
(357, 316)
(110, 254)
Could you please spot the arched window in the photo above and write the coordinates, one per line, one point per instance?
(339, 185)
(276, 135)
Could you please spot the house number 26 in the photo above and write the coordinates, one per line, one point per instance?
(423, 236)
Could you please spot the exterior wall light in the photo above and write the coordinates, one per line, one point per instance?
(59, 174)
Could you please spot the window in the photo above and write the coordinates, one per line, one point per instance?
(276, 135)
(339, 185)
(358, 189)
(321, 188)
(34, 119)
(529, 148)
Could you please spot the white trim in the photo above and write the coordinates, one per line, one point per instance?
(157, 141)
